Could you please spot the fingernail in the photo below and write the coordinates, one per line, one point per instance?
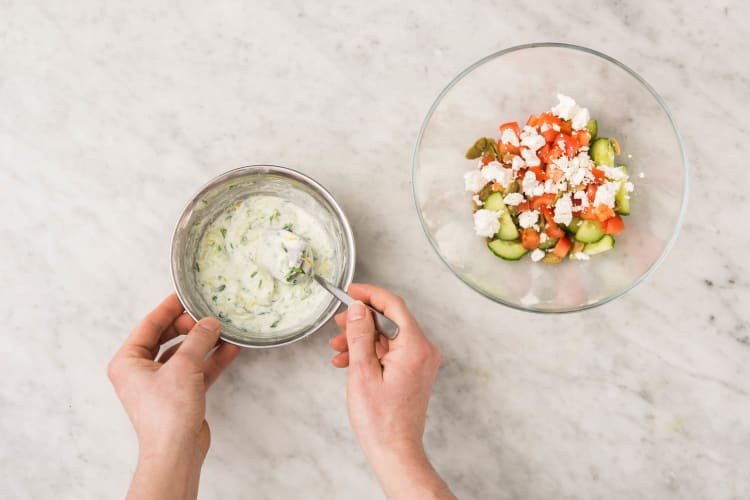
(356, 311)
(209, 324)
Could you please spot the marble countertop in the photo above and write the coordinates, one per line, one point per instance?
(113, 114)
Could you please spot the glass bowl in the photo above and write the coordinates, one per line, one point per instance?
(508, 86)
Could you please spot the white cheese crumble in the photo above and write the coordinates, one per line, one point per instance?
(564, 210)
(537, 255)
(477, 201)
(583, 198)
(543, 237)
(580, 119)
(529, 183)
(530, 157)
(513, 199)
(487, 222)
(528, 219)
(474, 181)
(605, 194)
(565, 107)
(509, 137)
(612, 173)
(581, 256)
(629, 187)
(533, 142)
(495, 172)
(517, 163)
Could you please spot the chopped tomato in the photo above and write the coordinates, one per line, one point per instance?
(583, 137)
(486, 159)
(524, 206)
(568, 143)
(539, 173)
(533, 121)
(543, 154)
(553, 230)
(599, 176)
(549, 119)
(591, 192)
(496, 186)
(613, 225)
(529, 238)
(588, 213)
(510, 125)
(603, 212)
(503, 148)
(544, 200)
(566, 127)
(562, 247)
(554, 173)
(549, 134)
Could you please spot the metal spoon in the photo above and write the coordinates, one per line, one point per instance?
(299, 262)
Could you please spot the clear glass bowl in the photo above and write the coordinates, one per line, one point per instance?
(509, 86)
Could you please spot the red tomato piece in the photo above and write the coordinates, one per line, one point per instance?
(599, 176)
(533, 121)
(486, 159)
(549, 134)
(539, 173)
(591, 193)
(553, 230)
(529, 238)
(510, 125)
(544, 200)
(566, 127)
(503, 148)
(583, 137)
(563, 247)
(588, 213)
(524, 206)
(603, 212)
(614, 225)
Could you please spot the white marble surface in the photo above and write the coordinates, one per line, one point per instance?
(113, 113)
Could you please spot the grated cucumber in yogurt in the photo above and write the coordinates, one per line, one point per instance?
(242, 291)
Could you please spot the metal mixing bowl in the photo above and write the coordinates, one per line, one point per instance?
(236, 185)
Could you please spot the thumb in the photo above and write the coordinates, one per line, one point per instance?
(360, 336)
(201, 339)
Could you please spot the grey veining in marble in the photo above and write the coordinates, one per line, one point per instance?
(113, 113)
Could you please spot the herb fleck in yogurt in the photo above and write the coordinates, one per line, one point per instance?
(238, 288)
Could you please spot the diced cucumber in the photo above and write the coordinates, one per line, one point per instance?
(508, 250)
(549, 243)
(602, 152)
(606, 243)
(508, 230)
(592, 127)
(590, 231)
(622, 198)
(574, 224)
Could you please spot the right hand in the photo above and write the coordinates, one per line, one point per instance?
(388, 392)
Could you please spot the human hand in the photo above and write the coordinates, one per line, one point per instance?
(166, 398)
(388, 392)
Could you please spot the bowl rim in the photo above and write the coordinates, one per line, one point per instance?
(294, 174)
(685, 166)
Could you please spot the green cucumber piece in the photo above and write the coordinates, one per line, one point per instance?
(508, 230)
(606, 243)
(548, 244)
(508, 250)
(590, 231)
(622, 198)
(602, 152)
(592, 127)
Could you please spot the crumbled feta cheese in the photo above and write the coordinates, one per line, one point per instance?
(529, 183)
(565, 107)
(513, 199)
(477, 201)
(605, 194)
(543, 237)
(528, 219)
(545, 127)
(641, 175)
(539, 190)
(580, 119)
(495, 172)
(550, 187)
(537, 255)
(487, 222)
(509, 137)
(555, 127)
(581, 256)
(531, 138)
(629, 187)
(531, 158)
(612, 173)
(517, 163)
(563, 210)
(581, 196)
(474, 181)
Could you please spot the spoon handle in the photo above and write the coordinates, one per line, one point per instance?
(385, 326)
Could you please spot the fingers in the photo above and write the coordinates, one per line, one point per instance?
(219, 360)
(341, 360)
(360, 337)
(144, 340)
(201, 339)
(389, 304)
(341, 319)
(338, 343)
(181, 326)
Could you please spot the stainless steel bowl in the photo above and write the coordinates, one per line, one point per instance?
(236, 185)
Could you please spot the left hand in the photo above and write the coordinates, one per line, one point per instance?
(166, 398)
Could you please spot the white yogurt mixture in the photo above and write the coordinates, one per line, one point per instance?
(239, 288)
